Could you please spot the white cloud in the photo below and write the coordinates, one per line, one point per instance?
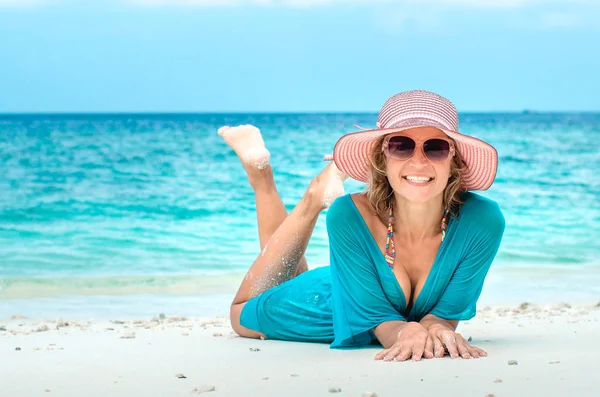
(561, 20)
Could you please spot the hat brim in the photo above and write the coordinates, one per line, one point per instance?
(352, 151)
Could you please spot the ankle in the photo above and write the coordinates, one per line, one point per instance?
(312, 202)
(261, 178)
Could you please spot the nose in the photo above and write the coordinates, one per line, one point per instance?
(418, 157)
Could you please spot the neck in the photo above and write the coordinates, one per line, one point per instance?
(416, 222)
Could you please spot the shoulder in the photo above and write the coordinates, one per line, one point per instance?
(481, 213)
(350, 210)
(349, 203)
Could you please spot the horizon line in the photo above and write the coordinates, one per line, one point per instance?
(323, 112)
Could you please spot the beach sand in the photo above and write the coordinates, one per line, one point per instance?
(533, 351)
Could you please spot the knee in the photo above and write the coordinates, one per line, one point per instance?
(234, 317)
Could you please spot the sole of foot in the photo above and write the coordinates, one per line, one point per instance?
(246, 141)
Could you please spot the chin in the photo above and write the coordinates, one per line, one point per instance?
(417, 194)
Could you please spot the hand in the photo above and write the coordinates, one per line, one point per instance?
(444, 339)
(411, 342)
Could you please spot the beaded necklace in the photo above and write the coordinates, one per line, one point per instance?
(389, 243)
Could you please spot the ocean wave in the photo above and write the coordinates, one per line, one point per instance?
(19, 288)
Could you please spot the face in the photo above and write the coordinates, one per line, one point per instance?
(421, 177)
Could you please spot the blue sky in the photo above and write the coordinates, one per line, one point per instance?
(301, 55)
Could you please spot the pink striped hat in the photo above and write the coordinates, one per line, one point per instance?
(412, 109)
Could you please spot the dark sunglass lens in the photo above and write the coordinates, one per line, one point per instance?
(436, 149)
(401, 147)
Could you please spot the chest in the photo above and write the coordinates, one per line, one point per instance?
(412, 264)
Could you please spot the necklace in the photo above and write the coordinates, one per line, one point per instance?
(390, 249)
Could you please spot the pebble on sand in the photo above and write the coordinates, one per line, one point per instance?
(513, 362)
(42, 328)
(180, 376)
(498, 380)
(203, 389)
(555, 362)
(128, 336)
(334, 390)
(254, 349)
(369, 394)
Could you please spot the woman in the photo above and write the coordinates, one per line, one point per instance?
(408, 256)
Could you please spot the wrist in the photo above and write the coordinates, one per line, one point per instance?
(408, 325)
(432, 327)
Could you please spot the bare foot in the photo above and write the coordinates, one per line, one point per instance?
(248, 144)
(328, 185)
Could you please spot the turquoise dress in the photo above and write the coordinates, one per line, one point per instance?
(340, 304)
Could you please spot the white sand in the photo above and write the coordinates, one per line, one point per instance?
(556, 349)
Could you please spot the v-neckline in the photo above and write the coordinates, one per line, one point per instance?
(383, 263)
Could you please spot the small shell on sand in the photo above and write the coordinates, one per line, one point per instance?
(180, 376)
(554, 362)
(130, 335)
(203, 389)
(513, 362)
(334, 390)
(369, 394)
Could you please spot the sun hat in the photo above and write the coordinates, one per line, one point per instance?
(410, 109)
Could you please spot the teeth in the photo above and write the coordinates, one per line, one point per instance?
(418, 179)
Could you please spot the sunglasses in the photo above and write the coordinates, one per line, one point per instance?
(401, 147)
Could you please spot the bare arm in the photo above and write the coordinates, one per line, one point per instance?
(387, 332)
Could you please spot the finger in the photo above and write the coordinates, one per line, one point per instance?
(429, 347)
(404, 354)
(480, 352)
(449, 340)
(392, 354)
(438, 348)
(473, 351)
(380, 355)
(462, 348)
(417, 354)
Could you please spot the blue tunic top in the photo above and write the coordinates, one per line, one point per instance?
(342, 303)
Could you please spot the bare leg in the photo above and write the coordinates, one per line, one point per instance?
(287, 238)
(270, 210)
(279, 258)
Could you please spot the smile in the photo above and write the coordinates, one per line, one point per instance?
(418, 180)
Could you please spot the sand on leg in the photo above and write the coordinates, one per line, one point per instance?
(247, 142)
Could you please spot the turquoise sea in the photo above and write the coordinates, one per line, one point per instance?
(130, 215)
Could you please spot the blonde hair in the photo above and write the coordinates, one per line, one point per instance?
(380, 191)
